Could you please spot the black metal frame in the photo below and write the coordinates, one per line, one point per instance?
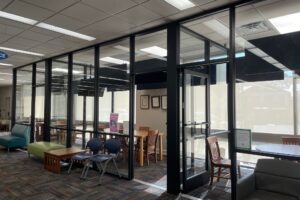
(173, 147)
(33, 96)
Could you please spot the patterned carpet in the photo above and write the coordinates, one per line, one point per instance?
(25, 178)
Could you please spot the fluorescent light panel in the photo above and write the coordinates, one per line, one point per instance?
(181, 4)
(64, 31)
(17, 18)
(21, 51)
(155, 50)
(287, 23)
(114, 60)
(6, 64)
(65, 70)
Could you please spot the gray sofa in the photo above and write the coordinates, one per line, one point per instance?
(272, 180)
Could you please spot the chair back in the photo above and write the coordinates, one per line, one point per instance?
(113, 146)
(95, 145)
(22, 131)
(291, 140)
(213, 148)
(152, 140)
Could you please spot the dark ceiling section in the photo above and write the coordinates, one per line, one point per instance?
(252, 68)
(284, 48)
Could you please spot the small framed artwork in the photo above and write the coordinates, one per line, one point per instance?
(243, 139)
(164, 102)
(155, 101)
(144, 102)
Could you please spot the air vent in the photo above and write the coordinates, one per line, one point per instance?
(254, 28)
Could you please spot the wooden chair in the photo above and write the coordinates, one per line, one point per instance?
(151, 145)
(216, 161)
(291, 140)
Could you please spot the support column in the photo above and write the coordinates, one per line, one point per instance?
(47, 105)
(173, 133)
(13, 104)
(33, 94)
(96, 87)
(70, 101)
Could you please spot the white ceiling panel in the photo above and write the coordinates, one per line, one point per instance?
(139, 1)
(4, 3)
(84, 13)
(20, 43)
(45, 32)
(65, 22)
(31, 35)
(111, 6)
(14, 23)
(63, 43)
(27, 10)
(185, 13)
(162, 8)
(216, 3)
(10, 30)
(4, 37)
(54, 5)
(138, 15)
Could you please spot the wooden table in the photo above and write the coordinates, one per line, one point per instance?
(284, 149)
(141, 135)
(52, 158)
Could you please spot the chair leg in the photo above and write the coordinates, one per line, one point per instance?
(212, 170)
(114, 161)
(219, 174)
(148, 159)
(70, 168)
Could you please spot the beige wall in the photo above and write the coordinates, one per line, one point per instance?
(155, 118)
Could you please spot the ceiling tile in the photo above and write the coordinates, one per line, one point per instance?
(4, 3)
(55, 5)
(14, 23)
(140, 1)
(280, 8)
(63, 43)
(65, 22)
(138, 15)
(84, 13)
(160, 7)
(31, 35)
(209, 4)
(27, 10)
(111, 6)
(10, 30)
(4, 37)
(45, 32)
(20, 43)
(185, 13)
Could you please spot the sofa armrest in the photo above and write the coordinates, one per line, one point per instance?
(245, 187)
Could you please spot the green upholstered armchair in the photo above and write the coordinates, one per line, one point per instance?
(19, 137)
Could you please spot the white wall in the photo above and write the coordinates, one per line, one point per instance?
(155, 118)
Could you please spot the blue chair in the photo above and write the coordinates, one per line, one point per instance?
(113, 147)
(94, 146)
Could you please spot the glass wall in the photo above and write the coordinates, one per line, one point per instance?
(39, 101)
(23, 95)
(114, 98)
(59, 93)
(83, 96)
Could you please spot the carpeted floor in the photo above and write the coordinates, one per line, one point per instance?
(25, 178)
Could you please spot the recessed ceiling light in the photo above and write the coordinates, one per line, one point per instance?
(17, 18)
(287, 23)
(114, 60)
(155, 50)
(21, 51)
(65, 70)
(6, 64)
(65, 31)
(181, 4)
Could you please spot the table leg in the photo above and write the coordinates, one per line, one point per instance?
(141, 151)
(160, 148)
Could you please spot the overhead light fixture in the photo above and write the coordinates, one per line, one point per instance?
(65, 31)
(65, 70)
(18, 18)
(155, 50)
(6, 64)
(181, 4)
(287, 23)
(114, 60)
(21, 51)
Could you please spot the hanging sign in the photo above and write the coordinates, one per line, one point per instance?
(3, 55)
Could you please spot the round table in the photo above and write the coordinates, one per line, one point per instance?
(290, 150)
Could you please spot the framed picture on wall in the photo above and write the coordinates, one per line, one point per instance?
(243, 139)
(144, 102)
(164, 102)
(155, 101)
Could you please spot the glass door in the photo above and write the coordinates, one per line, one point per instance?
(194, 129)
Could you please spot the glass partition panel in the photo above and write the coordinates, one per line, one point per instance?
(39, 101)
(114, 99)
(266, 100)
(23, 95)
(59, 93)
(83, 97)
